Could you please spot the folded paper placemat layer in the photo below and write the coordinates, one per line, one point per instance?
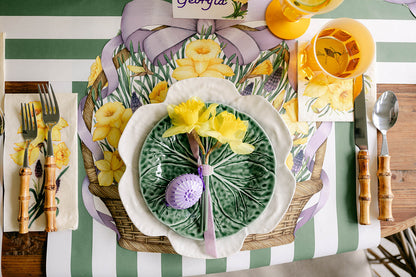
(64, 138)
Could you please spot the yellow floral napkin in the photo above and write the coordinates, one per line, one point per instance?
(64, 138)
(325, 98)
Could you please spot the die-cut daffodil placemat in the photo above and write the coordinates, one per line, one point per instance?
(64, 138)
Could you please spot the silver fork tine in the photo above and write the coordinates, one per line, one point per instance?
(34, 117)
(41, 98)
(23, 117)
(55, 101)
(30, 121)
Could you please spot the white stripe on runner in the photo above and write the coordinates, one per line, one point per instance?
(391, 30)
(192, 266)
(63, 87)
(149, 264)
(52, 70)
(60, 27)
(106, 27)
(103, 251)
(58, 259)
(381, 30)
(238, 261)
(282, 254)
(396, 73)
(326, 231)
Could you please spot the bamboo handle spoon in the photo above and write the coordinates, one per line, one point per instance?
(385, 113)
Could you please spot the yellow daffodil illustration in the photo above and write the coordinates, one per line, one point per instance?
(265, 68)
(43, 129)
(109, 113)
(159, 92)
(61, 153)
(290, 117)
(188, 116)
(342, 96)
(202, 61)
(226, 128)
(289, 161)
(20, 149)
(137, 70)
(111, 120)
(111, 168)
(95, 70)
(329, 91)
(34, 149)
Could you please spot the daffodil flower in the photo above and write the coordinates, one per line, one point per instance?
(330, 91)
(111, 168)
(159, 92)
(42, 128)
(111, 119)
(289, 161)
(95, 70)
(33, 152)
(61, 153)
(201, 61)
(342, 95)
(290, 117)
(226, 128)
(188, 116)
(265, 68)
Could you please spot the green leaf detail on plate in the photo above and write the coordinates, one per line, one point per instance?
(241, 185)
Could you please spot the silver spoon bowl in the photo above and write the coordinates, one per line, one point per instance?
(385, 113)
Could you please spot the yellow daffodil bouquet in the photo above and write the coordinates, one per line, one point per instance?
(197, 120)
(194, 118)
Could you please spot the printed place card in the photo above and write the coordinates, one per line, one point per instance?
(210, 9)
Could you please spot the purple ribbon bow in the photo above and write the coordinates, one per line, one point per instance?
(140, 16)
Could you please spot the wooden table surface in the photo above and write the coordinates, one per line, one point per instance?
(25, 255)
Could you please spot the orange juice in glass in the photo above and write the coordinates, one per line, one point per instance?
(289, 19)
(343, 48)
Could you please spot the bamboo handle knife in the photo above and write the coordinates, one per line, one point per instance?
(363, 158)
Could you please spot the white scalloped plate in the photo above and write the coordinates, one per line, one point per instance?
(212, 90)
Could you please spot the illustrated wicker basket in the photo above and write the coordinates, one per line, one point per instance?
(133, 239)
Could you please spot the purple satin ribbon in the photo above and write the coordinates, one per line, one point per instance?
(102, 218)
(139, 14)
(205, 170)
(85, 134)
(314, 143)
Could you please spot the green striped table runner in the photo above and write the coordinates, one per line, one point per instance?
(59, 41)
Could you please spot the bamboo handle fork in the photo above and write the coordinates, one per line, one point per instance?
(29, 132)
(50, 113)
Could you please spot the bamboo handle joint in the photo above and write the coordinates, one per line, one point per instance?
(385, 195)
(24, 197)
(364, 198)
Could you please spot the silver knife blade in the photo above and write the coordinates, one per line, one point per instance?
(360, 114)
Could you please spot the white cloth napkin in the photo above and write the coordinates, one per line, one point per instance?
(67, 195)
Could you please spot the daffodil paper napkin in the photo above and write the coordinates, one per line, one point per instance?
(325, 98)
(64, 136)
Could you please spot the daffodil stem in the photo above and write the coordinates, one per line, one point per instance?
(217, 145)
(198, 140)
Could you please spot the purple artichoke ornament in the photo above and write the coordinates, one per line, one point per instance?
(184, 191)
